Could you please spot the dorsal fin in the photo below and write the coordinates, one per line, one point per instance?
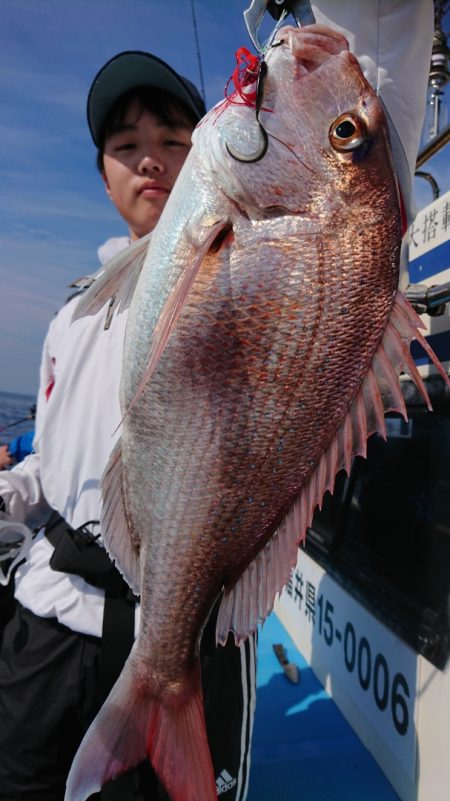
(380, 392)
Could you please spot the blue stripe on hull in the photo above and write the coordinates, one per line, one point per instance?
(430, 263)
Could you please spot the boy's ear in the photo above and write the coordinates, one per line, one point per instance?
(105, 181)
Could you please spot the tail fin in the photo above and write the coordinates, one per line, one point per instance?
(132, 725)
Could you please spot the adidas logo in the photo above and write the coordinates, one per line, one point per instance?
(224, 782)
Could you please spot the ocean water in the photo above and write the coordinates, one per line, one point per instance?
(13, 408)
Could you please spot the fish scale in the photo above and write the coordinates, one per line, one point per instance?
(259, 349)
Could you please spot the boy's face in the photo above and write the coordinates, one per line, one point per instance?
(141, 162)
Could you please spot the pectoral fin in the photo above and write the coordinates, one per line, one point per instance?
(175, 302)
(118, 279)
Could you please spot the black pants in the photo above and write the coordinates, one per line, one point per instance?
(50, 691)
(7, 604)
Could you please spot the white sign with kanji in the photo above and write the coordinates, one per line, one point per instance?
(430, 228)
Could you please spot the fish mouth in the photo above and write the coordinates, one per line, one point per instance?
(315, 46)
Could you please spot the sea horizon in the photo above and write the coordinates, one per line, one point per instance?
(15, 414)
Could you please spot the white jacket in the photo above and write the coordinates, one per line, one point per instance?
(77, 421)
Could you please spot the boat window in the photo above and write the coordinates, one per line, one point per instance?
(386, 530)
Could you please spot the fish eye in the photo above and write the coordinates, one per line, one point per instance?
(348, 132)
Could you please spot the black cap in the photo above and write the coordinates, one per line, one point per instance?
(136, 68)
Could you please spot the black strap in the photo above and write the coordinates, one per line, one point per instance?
(77, 552)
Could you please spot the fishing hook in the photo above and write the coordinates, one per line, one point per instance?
(261, 151)
(279, 9)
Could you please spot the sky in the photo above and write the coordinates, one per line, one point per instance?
(54, 212)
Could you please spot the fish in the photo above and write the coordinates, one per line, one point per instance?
(265, 339)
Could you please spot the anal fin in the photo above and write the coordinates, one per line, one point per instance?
(114, 524)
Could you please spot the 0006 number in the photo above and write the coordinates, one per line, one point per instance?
(372, 673)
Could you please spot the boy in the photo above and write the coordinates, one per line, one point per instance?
(74, 620)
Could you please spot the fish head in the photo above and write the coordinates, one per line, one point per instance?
(328, 149)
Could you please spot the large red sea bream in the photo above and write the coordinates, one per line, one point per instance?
(265, 340)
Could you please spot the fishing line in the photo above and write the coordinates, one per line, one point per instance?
(199, 58)
(291, 150)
